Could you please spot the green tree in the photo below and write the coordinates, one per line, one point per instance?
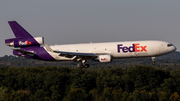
(19, 95)
(175, 97)
(3, 91)
(117, 94)
(107, 94)
(163, 96)
(94, 94)
(76, 94)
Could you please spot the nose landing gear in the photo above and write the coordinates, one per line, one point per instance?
(153, 60)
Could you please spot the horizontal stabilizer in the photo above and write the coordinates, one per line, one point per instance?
(24, 52)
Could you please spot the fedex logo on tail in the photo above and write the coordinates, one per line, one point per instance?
(24, 43)
(134, 48)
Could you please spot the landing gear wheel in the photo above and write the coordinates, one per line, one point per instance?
(83, 65)
(153, 60)
(86, 66)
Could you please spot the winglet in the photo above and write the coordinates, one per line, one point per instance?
(48, 48)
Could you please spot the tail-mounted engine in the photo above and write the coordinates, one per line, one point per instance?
(22, 42)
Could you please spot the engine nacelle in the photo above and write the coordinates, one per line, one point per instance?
(104, 58)
(21, 42)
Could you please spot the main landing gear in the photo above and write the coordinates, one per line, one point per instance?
(153, 58)
(83, 65)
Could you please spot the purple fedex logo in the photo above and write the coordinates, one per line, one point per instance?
(134, 48)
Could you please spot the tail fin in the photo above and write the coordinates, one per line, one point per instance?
(23, 38)
(18, 30)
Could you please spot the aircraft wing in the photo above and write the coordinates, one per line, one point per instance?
(24, 52)
(75, 53)
(71, 54)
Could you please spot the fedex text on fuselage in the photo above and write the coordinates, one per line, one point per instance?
(134, 48)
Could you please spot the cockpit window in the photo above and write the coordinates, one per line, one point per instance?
(169, 45)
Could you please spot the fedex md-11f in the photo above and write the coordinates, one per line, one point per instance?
(33, 47)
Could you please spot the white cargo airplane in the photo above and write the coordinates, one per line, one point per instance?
(34, 47)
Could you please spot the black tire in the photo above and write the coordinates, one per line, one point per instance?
(86, 65)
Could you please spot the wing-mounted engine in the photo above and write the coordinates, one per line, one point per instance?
(24, 42)
(104, 58)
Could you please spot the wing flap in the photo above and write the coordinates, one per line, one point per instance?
(75, 54)
(70, 54)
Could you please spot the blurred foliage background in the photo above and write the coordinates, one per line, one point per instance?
(122, 80)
